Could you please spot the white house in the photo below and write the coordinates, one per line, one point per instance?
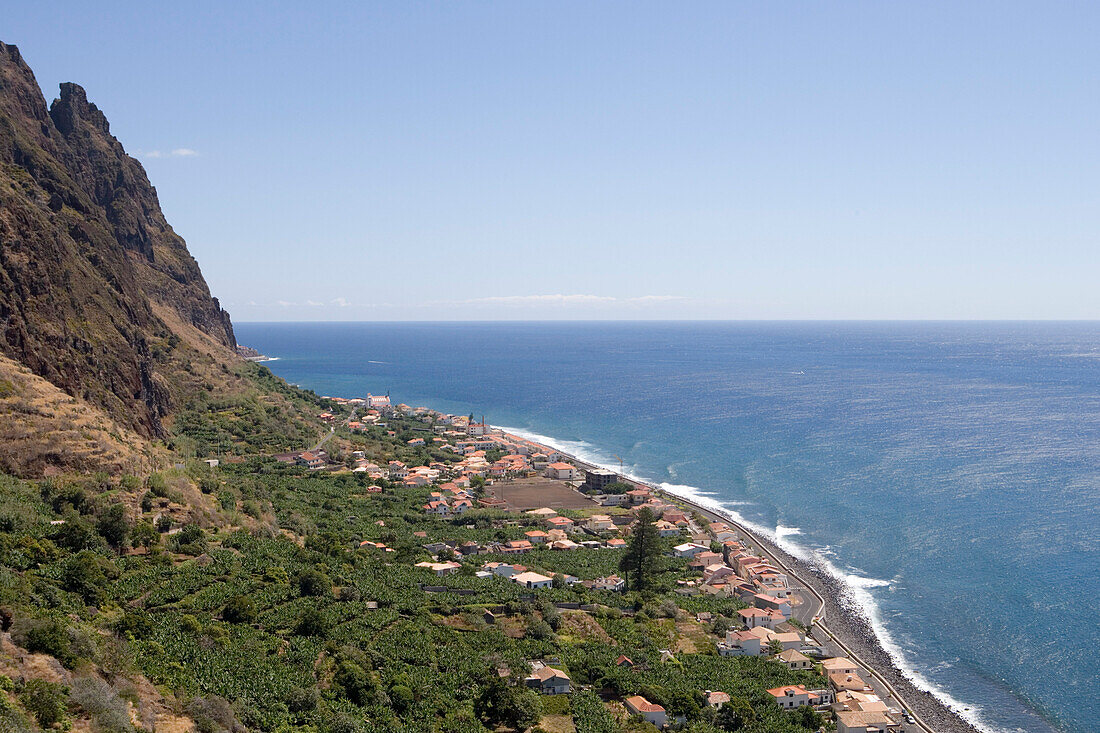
(440, 568)
(504, 570)
(533, 580)
(716, 699)
(561, 471)
(689, 549)
(839, 665)
(438, 508)
(793, 696)
(548, 681)
(848, 683)
(740, 644)
(753, 617)
(666, 529)
(648, 711)
(761, 600)
(795, 659)
(854, 721)
(600, 523)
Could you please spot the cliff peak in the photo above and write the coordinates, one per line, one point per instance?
(73, 106)
(97, 292)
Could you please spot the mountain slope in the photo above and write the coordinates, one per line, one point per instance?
(98, 295)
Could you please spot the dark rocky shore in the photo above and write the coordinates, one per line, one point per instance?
(855, 631)
(847, 624)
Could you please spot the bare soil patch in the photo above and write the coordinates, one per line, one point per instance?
(533, 493)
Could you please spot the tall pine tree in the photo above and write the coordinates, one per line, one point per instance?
(640, 564)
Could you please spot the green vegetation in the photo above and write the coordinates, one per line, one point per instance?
(273, 619)
(267, 415)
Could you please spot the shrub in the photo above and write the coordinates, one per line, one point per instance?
(190, 624)
(311, 623)
(11, 721)
(157, 485)
(112, 525)
(302, 700)
(314, 583)
(75, 534)
(340, 722)
(108, 711)
(499, 704)
(239, 610)
(353, 680)
(145, 535)
(213, 714)
(735, 715)
(87, 574)
(136, 623)
(46, 701)
(46, 636)
(590, 715)
(540, 630)
(190, 534)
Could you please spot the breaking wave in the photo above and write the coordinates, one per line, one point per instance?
(856, 589)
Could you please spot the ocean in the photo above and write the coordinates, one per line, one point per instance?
(949, 473)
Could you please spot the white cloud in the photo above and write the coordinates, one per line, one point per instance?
(175, 153)
(342, 302)
(313, 303)
(285, 303)
(655, 298)
(558, 299)
(563, 299)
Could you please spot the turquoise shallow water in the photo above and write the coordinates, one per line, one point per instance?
(949, 472)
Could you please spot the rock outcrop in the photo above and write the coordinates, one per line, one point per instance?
(91, 274)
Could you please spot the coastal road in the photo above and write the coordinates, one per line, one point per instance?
(810, 612)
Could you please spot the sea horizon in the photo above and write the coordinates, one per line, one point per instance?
(674, 320)
(822, 427)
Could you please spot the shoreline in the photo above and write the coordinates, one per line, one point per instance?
(849, 628)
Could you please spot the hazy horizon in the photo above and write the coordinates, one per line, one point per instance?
(676, 320)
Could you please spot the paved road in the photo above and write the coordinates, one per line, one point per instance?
(811, 611)
(332, 431)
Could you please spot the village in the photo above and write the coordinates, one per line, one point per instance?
(553, 504)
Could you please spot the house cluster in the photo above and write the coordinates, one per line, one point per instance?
(738, 572)
(520, 575)
(735, 570)
(854, 704)
(452, 499)
(471, 441)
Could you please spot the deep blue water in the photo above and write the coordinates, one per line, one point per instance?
(951, 471)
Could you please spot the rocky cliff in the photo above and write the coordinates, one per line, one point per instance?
(96, 290)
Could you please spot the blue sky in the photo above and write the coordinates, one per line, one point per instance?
(408, 161)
